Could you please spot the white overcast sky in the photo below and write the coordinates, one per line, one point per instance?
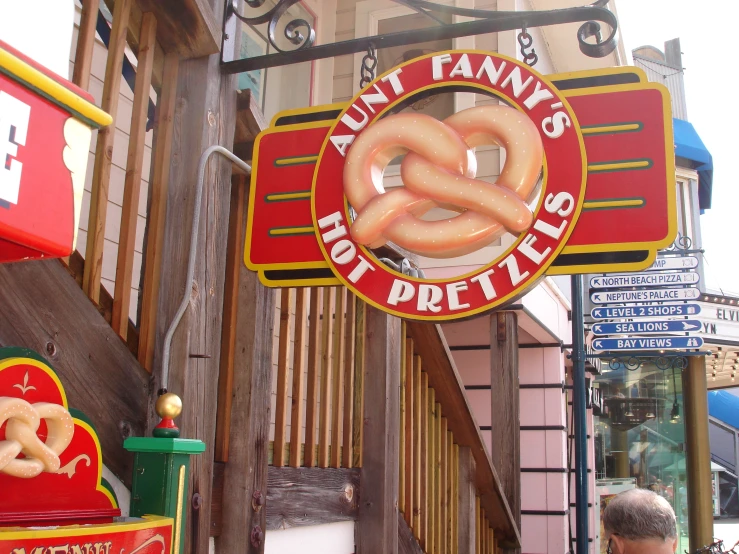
(709, 38)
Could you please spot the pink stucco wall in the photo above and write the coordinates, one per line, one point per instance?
(544, 322)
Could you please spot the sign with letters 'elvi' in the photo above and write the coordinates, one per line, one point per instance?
(587, 184)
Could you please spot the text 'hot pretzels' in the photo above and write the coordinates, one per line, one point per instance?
(439, 171)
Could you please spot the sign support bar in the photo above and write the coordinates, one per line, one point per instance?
(579, 403)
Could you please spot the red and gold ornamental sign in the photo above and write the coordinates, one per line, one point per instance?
(587, 184)
(46, 124)
(55, 499)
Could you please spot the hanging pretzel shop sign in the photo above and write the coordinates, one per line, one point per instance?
(442, 210)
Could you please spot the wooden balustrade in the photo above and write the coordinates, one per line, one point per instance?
(156, 77)
(319, 352)
(429, 463)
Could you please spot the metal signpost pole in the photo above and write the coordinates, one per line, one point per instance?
(579, 403)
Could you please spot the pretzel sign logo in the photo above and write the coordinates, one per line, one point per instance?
(537, 197)
(23, 420)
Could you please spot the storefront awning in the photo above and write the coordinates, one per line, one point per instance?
(724, 406)
(688, 145)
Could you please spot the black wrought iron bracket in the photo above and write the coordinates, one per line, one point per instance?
(301, 34)
(634, 360)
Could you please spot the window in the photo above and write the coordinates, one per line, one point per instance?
(276, 88)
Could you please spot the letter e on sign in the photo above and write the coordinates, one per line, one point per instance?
(14, 117)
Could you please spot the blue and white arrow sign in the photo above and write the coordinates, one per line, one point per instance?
(674, 262)
(647, 327)
(653, 279)
(648, 343)
(657, 310)
(654, 295)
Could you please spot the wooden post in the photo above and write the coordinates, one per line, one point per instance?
(246, 470)
(132, 184)
(283, 372)
(161, 153)
(234, 263)
(698, 453)
(205, 115)
(104, 152)
(377, 528)
(85, 43)
(505, 453)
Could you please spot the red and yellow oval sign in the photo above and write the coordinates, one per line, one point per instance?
(542, 235)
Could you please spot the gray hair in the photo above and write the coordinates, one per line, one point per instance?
(640, 514)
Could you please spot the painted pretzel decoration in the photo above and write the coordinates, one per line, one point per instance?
(23, 420)
(439, 171)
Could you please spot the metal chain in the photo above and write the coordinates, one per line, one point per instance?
(525, 40)
(369, 64)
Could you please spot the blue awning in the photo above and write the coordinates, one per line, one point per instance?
(689, 145)
(724, 406)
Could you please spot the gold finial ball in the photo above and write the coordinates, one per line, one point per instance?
(169, 405)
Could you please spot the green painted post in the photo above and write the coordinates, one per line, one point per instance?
(161, 469)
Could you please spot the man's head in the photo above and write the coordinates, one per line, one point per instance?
(639, 521)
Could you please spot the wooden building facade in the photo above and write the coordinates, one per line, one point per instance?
(316, 408)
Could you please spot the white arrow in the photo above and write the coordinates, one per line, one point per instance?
(689, 327)
(596, 313)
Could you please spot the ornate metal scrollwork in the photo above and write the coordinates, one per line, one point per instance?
(662, 362)
(301, 33)
(298, 31)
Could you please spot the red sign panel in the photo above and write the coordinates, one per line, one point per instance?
(45, 129)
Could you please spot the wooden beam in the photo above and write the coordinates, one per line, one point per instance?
(337, 359)
(506, 451)
(348, 424)
(403, 408)
(310, 496)
(444, 377)
(85, 43)
(424, 482)
(298, 394)
(283, 372)
(327, 323)
(407, 543)
(204, 116)
(433, 505)
(133, 39)
(234, 261)
(132, 183)
(378, 510)
(76, 268)
(216, 502)
(359, 359)
(249, 119)
(417, 441)
(189, 27)
(45, 310)
(411, 433)
(161, 154)
(104, 152)
(246, 470)
(314, 360)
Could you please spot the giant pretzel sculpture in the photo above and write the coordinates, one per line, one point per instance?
(439, 171)
(23, 420)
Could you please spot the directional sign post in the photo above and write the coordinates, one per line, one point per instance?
(658, 310)
(683, 262)
(647, 327)
(653, 279)
(656, 295)
(648, 343)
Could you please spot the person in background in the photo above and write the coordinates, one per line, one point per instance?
(640, 521)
